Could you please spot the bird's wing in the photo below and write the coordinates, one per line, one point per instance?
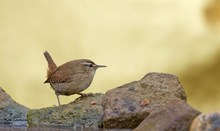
(61, 75)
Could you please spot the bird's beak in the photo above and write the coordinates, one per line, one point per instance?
(100, 66)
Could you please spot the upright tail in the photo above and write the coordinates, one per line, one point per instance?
(51, 65)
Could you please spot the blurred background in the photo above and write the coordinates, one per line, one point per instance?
(131, 37)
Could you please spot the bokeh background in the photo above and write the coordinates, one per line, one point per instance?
(131, 37)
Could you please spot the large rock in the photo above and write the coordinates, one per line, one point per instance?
(206, 122)
(84, 113)
(175, 116)
(128, 105)
(11, 113)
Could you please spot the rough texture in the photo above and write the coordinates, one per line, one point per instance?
(11, 113)
(81, 113)
(175, 116)
(206, 122)
(128, 105)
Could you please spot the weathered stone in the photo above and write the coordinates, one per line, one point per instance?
(206, 122)
(82, 113)
(11, 113)
(128, 105)
(175, 116)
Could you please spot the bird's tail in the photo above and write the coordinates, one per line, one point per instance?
(51, 65)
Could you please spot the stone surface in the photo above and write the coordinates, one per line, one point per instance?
(11, 113)
(206, 122)
(128, 105)
(175, 116)
(81, 113)
(40, 128)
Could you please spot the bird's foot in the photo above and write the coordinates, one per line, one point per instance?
(83, 95)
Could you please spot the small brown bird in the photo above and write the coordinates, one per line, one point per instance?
(70, 78)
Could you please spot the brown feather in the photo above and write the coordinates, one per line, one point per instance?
(63, 73)
(51, 64)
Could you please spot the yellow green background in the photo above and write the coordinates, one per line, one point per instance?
(131, 37)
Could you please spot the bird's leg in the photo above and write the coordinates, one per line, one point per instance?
(58, 98)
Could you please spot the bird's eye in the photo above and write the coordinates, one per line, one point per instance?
(90, 65)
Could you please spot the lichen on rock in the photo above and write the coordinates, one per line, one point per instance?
(77, 114)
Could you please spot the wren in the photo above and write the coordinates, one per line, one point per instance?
(72, 77)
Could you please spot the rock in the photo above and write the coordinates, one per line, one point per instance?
(206, 122)
(11, 113)
(81, 113)
(128, 105)
(175, 116)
